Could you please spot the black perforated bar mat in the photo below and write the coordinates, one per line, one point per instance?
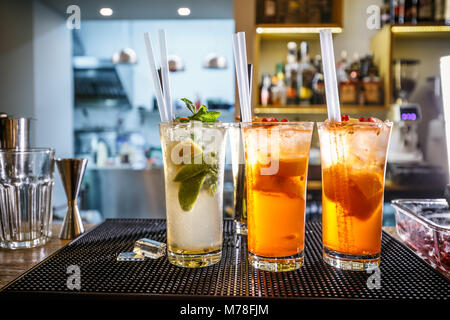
(403, 274)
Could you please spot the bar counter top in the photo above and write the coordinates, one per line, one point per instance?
(15, 262)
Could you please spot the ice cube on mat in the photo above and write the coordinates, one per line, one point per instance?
(130, 256)
(150, 248)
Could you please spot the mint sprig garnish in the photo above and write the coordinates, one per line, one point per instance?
(202, 114)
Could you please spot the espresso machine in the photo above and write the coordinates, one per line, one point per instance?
(404, 143)
(406, 165)
(406, 116)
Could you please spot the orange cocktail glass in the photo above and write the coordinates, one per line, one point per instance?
(276, 163)
(353, 159)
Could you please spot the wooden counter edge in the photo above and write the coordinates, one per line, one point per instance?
(13, 263)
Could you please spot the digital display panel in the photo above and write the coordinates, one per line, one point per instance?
(409, 114)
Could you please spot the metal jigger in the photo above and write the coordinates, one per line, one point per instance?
(71, 172)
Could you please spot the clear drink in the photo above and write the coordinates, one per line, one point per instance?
(194, 157)
(26, 197)
(276, 161)
(353, 159)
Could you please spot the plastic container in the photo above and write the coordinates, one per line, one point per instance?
(424, 225)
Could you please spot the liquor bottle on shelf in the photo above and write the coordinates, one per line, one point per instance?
(371, 84)
(296, 11)
(275, 100)
(411, 11)
(314, 14)
(274, 92)
(385, 16)
(348, 92)
(355, 68)
(342, 67)
(349, 88)
(326, 11)
(442, 11)
(281, 90)
(365, 64)
(425, 11)
(279, 96)
(439, 11)
(266, 11)
(265, 97)
(393, 11)
(282, 10)
(318, 83)
(305, 75)
(300, 81)
(318, 11)
(400, 12)
(447, 11)
(291, 70)
(317, 63)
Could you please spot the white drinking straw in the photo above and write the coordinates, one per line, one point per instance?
(240, 57)
(239, 72)
(329, 71)
(165, 72)
(156, 84)
(445, 88)
(243, 54)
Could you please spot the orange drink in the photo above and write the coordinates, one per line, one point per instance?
(276, 164)
(353, 158)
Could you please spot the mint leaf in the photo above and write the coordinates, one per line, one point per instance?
(202, 114)
(210, 116)
(189, 104)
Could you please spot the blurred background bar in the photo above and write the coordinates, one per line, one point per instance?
(87, 90)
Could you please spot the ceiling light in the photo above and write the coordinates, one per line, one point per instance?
(106, 12)
(184, 11)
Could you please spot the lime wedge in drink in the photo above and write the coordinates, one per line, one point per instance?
(184, 152)
(189, 190)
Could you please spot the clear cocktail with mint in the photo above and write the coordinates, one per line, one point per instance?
(194, 158)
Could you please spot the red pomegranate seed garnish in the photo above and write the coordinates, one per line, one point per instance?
(371, 119)
(362, 119)
(344, 117)
(284, 120)
(264, 120)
